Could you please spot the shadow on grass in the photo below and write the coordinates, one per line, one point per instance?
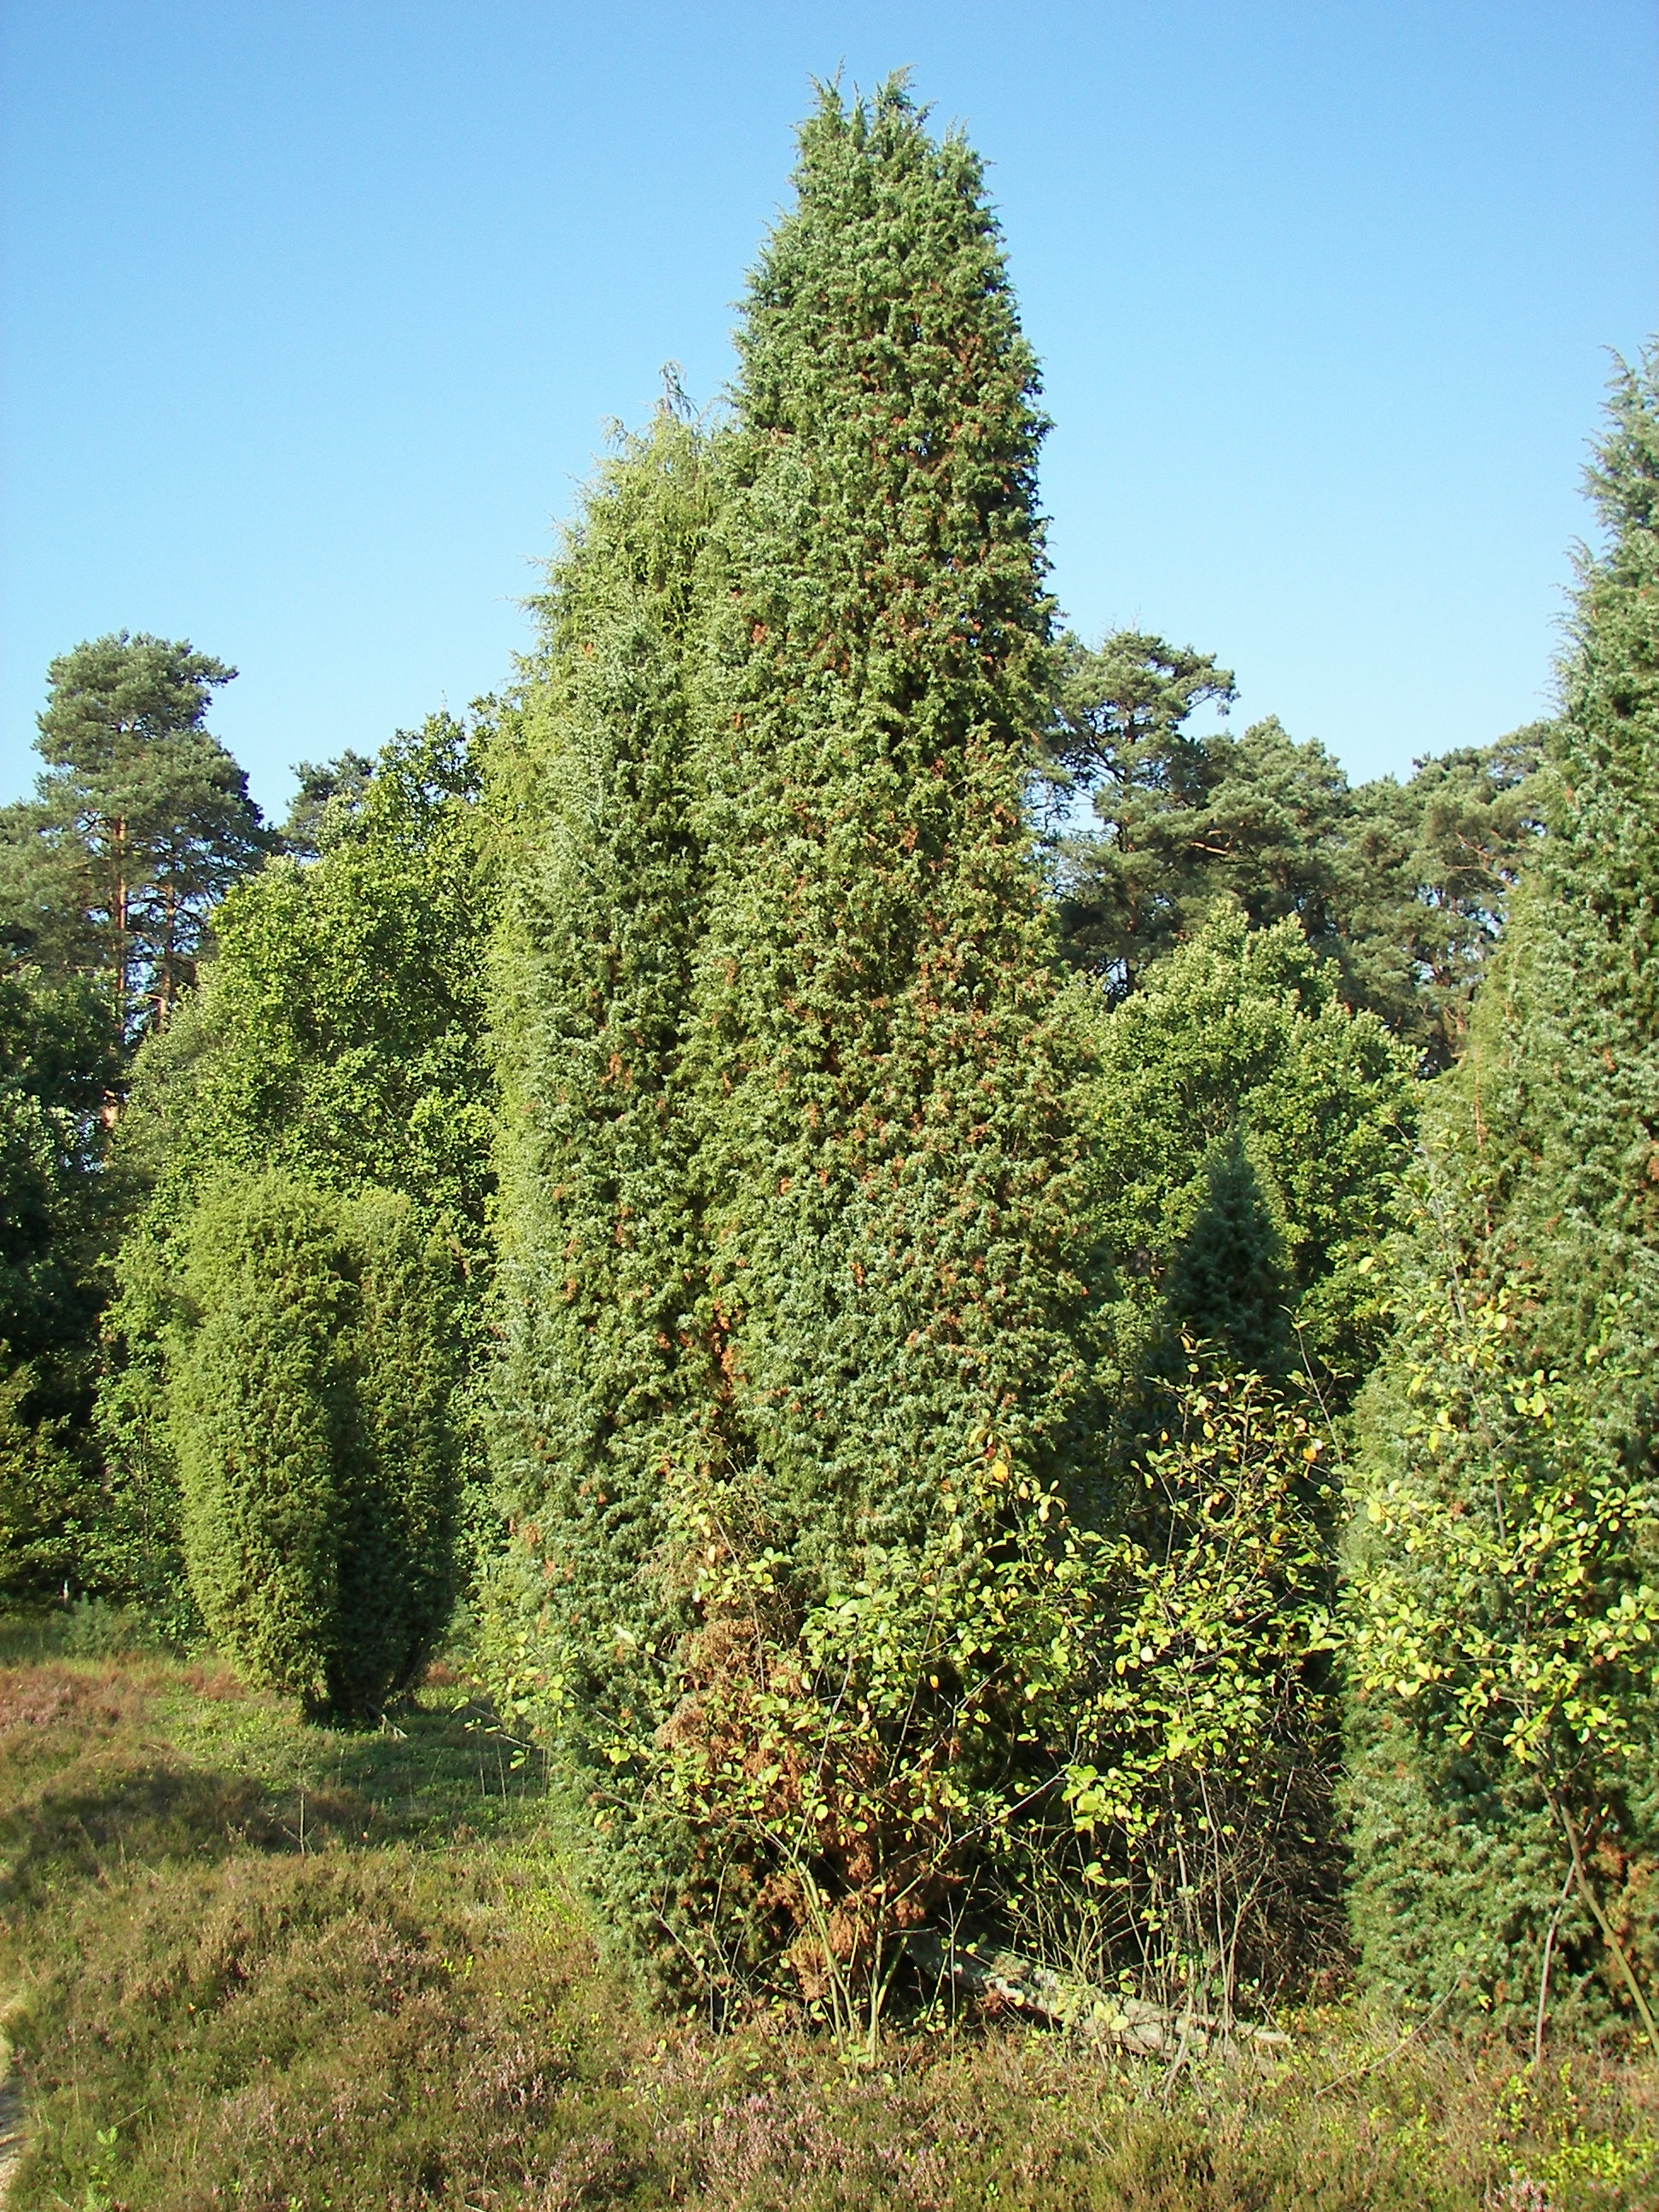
(439, 1776)
(103, 1828)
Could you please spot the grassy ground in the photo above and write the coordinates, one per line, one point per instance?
(248, 1963)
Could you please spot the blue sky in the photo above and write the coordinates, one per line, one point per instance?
(315, 313)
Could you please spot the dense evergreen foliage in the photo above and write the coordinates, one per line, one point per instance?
(309, 1402)
(886, 1068)
(1508, 1588)
(608, 1380)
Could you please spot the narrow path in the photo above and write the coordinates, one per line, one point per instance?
(11, 2121)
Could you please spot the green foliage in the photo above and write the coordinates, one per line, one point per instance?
(887, 1071)
(1204, 1762)
(1251, 1128)
(309, 1405)
(330, 796)
(59, 1063)
(607, 1377)
(139, 826)
(1122, 1739)
(1505, 1584)
(793, 1180)
(1429, 866)
(337, 1037)
(338, 1031)
(1404, 884)
(108, 878)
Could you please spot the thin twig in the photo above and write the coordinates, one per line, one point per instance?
(1606, 1926)
(1544, 1976)
(1358, 2073)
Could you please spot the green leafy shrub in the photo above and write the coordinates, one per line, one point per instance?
(1207, 1753)
(1119, 1746)
(308, 1388)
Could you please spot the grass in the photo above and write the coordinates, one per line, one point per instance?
(250, 1963)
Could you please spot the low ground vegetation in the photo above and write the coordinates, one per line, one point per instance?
(248, 1962)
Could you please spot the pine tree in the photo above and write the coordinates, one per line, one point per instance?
(1508, 1591)
(140, 825)
(1404, 884)
(885, 1073)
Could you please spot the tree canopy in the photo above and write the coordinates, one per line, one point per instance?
(1403, 884)
(140, 823)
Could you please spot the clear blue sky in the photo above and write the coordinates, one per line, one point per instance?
(315, 311)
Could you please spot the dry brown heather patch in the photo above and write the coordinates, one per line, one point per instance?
(259, 1966)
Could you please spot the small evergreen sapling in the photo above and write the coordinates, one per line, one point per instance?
(1252, 1128)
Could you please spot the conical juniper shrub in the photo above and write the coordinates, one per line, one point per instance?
(1506, 1592)
(606, 1379)
(309, 1400)
(891, 1158)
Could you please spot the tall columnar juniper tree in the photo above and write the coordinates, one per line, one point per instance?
(605, 1384)
(890, 1143)
(1508, 1598)
(794, 1152)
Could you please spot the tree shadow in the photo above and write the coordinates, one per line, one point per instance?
(101, 1828)
(1228, 1282)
